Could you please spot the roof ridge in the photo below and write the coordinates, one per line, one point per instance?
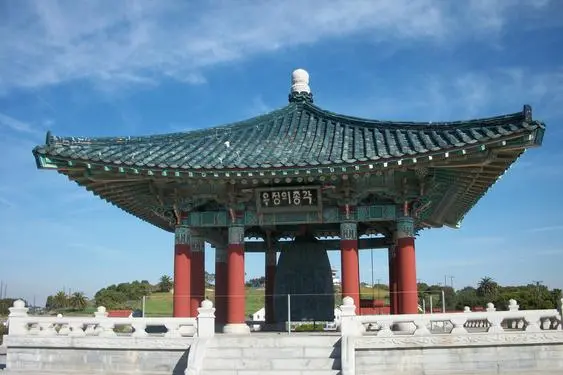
(524, 115)
(196, 133)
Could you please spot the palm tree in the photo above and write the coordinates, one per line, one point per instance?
(487, 288)
(60, 300)
(165, 283)
(78, 301)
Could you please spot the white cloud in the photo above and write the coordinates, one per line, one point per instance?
(456, 95)
(546, 229)
(7, 203)
(134, 42)
(17, 125)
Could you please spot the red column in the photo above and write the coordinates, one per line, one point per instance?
(197, 294)
(270, 279)
(349, 262)
(393, 300)
(221, 285)
(181, 297)
(235, 285)
(406, 262)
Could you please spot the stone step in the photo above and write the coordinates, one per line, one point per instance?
(269, 352)
(279, 354)
(269, 364)
(257, 341)
(270, 372)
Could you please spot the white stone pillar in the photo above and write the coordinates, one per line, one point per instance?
(206, 319)
(349, 325)
(17, 319)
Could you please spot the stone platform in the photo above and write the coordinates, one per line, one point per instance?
(476, 343)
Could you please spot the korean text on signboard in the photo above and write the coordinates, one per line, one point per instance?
(298, 197)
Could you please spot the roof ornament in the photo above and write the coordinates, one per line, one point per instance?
(300, 90)
(527, 111)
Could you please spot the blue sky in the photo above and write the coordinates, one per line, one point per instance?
(110, 68)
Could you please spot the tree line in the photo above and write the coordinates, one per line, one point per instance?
(61, 300)
(128, 295)
(529, 297)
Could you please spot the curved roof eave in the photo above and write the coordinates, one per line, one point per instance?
(298, 135)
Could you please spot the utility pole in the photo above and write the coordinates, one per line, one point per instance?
(446, 277)
(1, 288)
(538, 284)
(143, 306)
(443, 302)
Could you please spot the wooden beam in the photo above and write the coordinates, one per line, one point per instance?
(364, 243)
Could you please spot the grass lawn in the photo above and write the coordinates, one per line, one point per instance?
(160, 304)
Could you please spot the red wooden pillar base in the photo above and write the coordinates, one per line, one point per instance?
(235, 286)
(220, 285)
(270, 280)
(182, 267)
(349, 262)
(406, 263)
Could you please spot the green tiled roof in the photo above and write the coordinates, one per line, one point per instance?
(299, 143)
(298, 135)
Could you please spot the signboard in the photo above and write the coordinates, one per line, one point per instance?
(293, 198)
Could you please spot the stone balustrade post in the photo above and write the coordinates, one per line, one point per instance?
(101, 312)
(17, 319)
(513, 305)
(105, 326)
(349, 325)
(206, 319)
(494, 319)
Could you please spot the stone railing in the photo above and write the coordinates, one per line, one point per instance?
(100, 325)
(490, 327)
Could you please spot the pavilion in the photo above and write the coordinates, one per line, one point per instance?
(298, 172)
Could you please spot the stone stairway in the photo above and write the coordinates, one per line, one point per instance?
(296, 354)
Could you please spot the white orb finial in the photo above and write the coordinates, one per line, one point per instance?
(300, 81)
